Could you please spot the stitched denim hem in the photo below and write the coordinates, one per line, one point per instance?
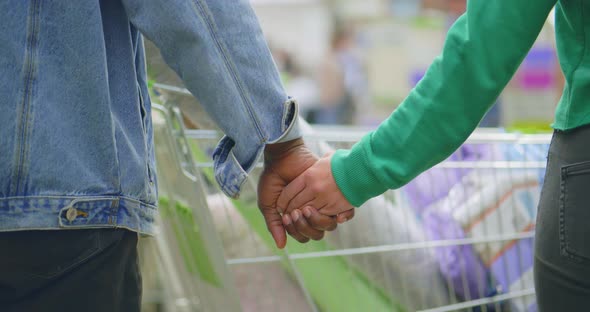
(291, 125)
(229, 174)
(72, 212)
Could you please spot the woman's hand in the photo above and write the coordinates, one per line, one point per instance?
(314, 188)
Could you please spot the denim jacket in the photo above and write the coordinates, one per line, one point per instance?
(76, 147)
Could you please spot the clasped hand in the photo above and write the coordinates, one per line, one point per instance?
(298, 195)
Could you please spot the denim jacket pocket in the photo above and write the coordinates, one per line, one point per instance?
(574, 211)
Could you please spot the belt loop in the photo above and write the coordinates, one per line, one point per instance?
(113, 212)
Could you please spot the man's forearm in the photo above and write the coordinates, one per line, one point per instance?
(218, 50)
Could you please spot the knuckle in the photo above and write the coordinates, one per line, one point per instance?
(291, 230)
(298, 237)
(317, 223)
(301, 223)
(328, 223)
(319, 236)
(303, 240)
(316, 187)
(306, 176)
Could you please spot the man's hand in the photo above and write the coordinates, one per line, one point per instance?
(283, 162)
(315, 188)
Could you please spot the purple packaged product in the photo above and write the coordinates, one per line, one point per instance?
(459, 264)
(435, 184)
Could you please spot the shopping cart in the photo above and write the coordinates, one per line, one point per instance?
(459, 238)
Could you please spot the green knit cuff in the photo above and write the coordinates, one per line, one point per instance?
(354, 176)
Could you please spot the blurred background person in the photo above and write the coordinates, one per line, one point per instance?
(297, 80)
(342, 80)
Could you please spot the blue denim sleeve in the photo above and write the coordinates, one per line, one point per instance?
(218, 50)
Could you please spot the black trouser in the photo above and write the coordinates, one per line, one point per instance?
(562, 245)
(74, 270)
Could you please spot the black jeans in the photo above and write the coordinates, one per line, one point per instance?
(74, 270)
(562, 244)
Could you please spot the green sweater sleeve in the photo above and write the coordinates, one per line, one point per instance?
(481, 53)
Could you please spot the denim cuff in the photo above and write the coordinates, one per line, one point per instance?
(290, 124)
(230, 174)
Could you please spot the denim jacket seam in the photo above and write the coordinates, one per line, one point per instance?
(24, 125)
(117, 156)
(144, 132)
(230, 67)
(81, 198)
